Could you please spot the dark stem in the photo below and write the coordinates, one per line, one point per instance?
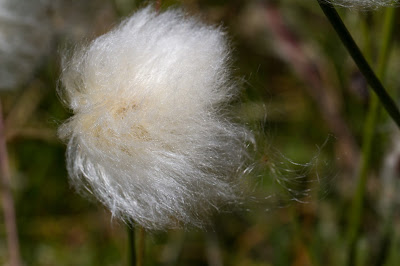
(360, 61)
(131, 245)
(136, 245)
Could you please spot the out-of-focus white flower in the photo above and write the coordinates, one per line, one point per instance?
(24, 38)
(149, 136)
(364, 3)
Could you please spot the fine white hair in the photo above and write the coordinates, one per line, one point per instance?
(364, 3)
(150, 136)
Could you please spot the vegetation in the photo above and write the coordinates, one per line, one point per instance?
(324, 189)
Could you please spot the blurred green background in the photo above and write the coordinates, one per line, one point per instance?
(301, 94)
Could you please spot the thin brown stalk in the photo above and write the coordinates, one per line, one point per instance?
(158, 5)
(7, 200)
(141, 247)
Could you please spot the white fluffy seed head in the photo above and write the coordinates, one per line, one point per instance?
(25, 36)
(365, 4)
(149, 136)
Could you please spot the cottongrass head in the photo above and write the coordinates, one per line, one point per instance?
(364, 4)
(25, 36)
(150, 137)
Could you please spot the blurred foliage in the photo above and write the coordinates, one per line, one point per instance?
(300, 89)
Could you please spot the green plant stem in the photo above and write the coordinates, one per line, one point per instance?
(387, 38)
(369, 132)
(360, 61)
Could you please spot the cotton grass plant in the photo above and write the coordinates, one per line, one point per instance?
(153, 137)
(150, 137)
(25, 37)
(365, 4)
